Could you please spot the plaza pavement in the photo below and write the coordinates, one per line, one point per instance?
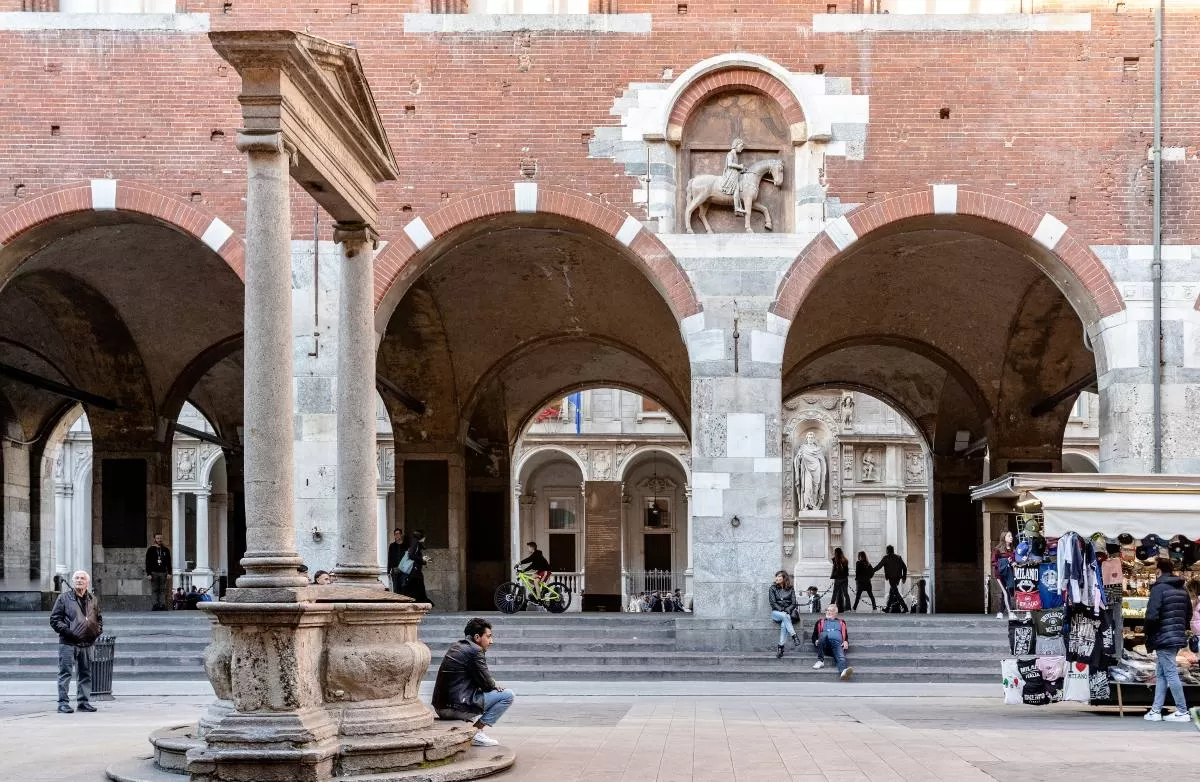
(684, 732)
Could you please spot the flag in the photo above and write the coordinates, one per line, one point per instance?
(575, 401)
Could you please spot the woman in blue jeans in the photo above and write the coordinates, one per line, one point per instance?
(783, 602)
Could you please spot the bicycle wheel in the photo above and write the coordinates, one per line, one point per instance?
(558, 597)
(510, 598)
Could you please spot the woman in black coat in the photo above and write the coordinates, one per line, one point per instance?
(862, 579)
(782, 599)
(841, 580)
(414, 582)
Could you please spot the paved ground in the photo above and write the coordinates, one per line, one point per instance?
(817, 732)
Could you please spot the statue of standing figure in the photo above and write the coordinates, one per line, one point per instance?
(809, 470)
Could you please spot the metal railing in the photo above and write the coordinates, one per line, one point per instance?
(638, 581)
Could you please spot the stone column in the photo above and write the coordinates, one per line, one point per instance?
(271, 559)
(178, 535)
(202, 573)
(62, 530)
(358, 550)
(15, 507)
(383, 536)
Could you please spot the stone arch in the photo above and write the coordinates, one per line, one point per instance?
(423, 239)
(674, 456)
(1062, 256)
(523, 460)
(870, 390)
(116, 195)
(207, 465)
(733, 71)
(623, 385)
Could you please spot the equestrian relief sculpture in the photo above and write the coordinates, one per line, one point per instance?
(737, 187)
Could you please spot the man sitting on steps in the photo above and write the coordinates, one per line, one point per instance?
(465, 689)
(830, 634)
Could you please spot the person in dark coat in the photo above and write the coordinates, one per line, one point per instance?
(414, 582)
(395, 554)
(465, 689)
(894, 571)
(840, 575)
(1167, 615)
(782, 599)
(862, 579)
(77, 620)
(158, 572)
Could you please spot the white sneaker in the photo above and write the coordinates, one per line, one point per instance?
(483, 740)
(1177, 716)
(999, 614)
(1153, 716)
(818, 665)
(846, 674)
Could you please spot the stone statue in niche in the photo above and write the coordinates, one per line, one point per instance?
(847, 411)
(870, 466)
(810, 469)
(742, 194)
(914, 467)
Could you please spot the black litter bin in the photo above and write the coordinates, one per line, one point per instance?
(102, 667)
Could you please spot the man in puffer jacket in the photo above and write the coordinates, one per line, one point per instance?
(1167, 616)
(77, 620)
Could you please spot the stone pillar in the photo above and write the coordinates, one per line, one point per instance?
(690, 572)
(383, 536)
(358, 520)
(202, 573)
(14, 482)
(220, 506)
(62, 529)
(178, 536)
(271, 559)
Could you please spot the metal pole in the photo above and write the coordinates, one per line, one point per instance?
(1156, 266)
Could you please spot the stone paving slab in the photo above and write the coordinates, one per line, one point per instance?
(695, 738)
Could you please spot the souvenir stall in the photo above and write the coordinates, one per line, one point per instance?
(1079, 576)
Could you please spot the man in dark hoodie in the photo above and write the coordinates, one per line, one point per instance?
(1167, 616)
(76, 618)
(894, 571)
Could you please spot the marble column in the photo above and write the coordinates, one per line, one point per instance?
(358, 519)
(178, 536)
(62, 530)
(271, 559)
(383, 535)
(202, 573)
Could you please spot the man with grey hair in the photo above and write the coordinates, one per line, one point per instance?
(77, 620)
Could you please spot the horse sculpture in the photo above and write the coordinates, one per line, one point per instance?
(705, 189)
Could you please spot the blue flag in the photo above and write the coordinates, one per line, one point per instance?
(576, 402)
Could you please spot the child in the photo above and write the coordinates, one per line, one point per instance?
(921, 606)
(814, 600)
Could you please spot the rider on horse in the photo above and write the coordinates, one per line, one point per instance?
(731, 184)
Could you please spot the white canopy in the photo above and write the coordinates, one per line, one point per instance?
(1114, 512)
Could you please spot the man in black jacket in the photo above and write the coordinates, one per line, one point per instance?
(158, 570)
(894, 571)
(465, 689)
(1167, 616)
(395, 554)
(77, 620)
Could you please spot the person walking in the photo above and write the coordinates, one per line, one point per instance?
(1193, 589)
(863, 572)
(414, 583)
(784, 606)
(830, 635)
(1002, 576)
(395, 554)
(77, 620)
(465, 690)
(894, 571)
(158, 573)
(1167, 615)
(840, 574)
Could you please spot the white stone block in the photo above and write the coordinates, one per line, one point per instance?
(1049, 231)
(708, 345)
(707, 502)
(419, 233)
(526, 196)
(216, 234)
(186, 23)
(746, 435)
(104, 194)
(841, 232)
(710, 480)
(773, 464)
(945, 199)
(1121, 343)
(693, 323)
(778, 325)
(767, 348)
(629, 230)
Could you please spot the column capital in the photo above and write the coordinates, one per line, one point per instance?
(265, 141)
(353, 236)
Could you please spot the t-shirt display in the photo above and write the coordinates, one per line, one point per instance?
(1049, 630)
(1026, 594)
(1021, 637)
(1048, 591)
(1078, 684)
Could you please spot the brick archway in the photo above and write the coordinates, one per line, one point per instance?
(1089, 285)
(410, 253)
(736, 77)
(122, 196)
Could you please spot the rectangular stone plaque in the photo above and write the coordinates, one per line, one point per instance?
(602, 554)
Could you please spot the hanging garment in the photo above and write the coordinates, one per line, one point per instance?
(1078, 685)
(1048, 626)
(1099, 686)
(1012, 680)
(1048, 591)
(1021, 637)
(1034, 692)
(1026, 594)
(1082, 639)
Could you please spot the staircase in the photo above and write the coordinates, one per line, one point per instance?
(537, 646)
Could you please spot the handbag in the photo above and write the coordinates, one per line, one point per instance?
(406, 564)
(1194, 643)
(795, 613)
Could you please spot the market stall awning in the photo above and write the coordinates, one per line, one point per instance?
(1114, 512)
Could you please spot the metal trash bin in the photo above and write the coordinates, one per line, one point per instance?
(102, 667)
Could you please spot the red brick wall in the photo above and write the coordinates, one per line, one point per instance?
(1052, 118)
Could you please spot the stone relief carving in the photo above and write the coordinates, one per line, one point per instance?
(185, 469)
(59, 469)
(658, 484)
(848, 463)
(742, 196)
(870, 466)
(623, 451)
(602, 465)
(914, 467)
(811, 470)
(847, 405)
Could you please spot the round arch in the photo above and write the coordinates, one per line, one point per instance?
(1043, 238)
(882, 396)
(206, 467)
(424, 239)
(102, 200)
(645, 449)
(524, 459)
(590, 384)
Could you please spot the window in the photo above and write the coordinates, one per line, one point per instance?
(657, 513)
(528, 6)
(562, 514)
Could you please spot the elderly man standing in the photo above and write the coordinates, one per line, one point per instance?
(76, 618)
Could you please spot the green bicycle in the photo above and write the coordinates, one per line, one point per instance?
(513, 596)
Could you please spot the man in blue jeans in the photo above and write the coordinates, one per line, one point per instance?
(1167, 615)
(77, 620)
(829, 634)
(465, 689)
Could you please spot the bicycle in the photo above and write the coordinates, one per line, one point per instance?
(513, 596)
